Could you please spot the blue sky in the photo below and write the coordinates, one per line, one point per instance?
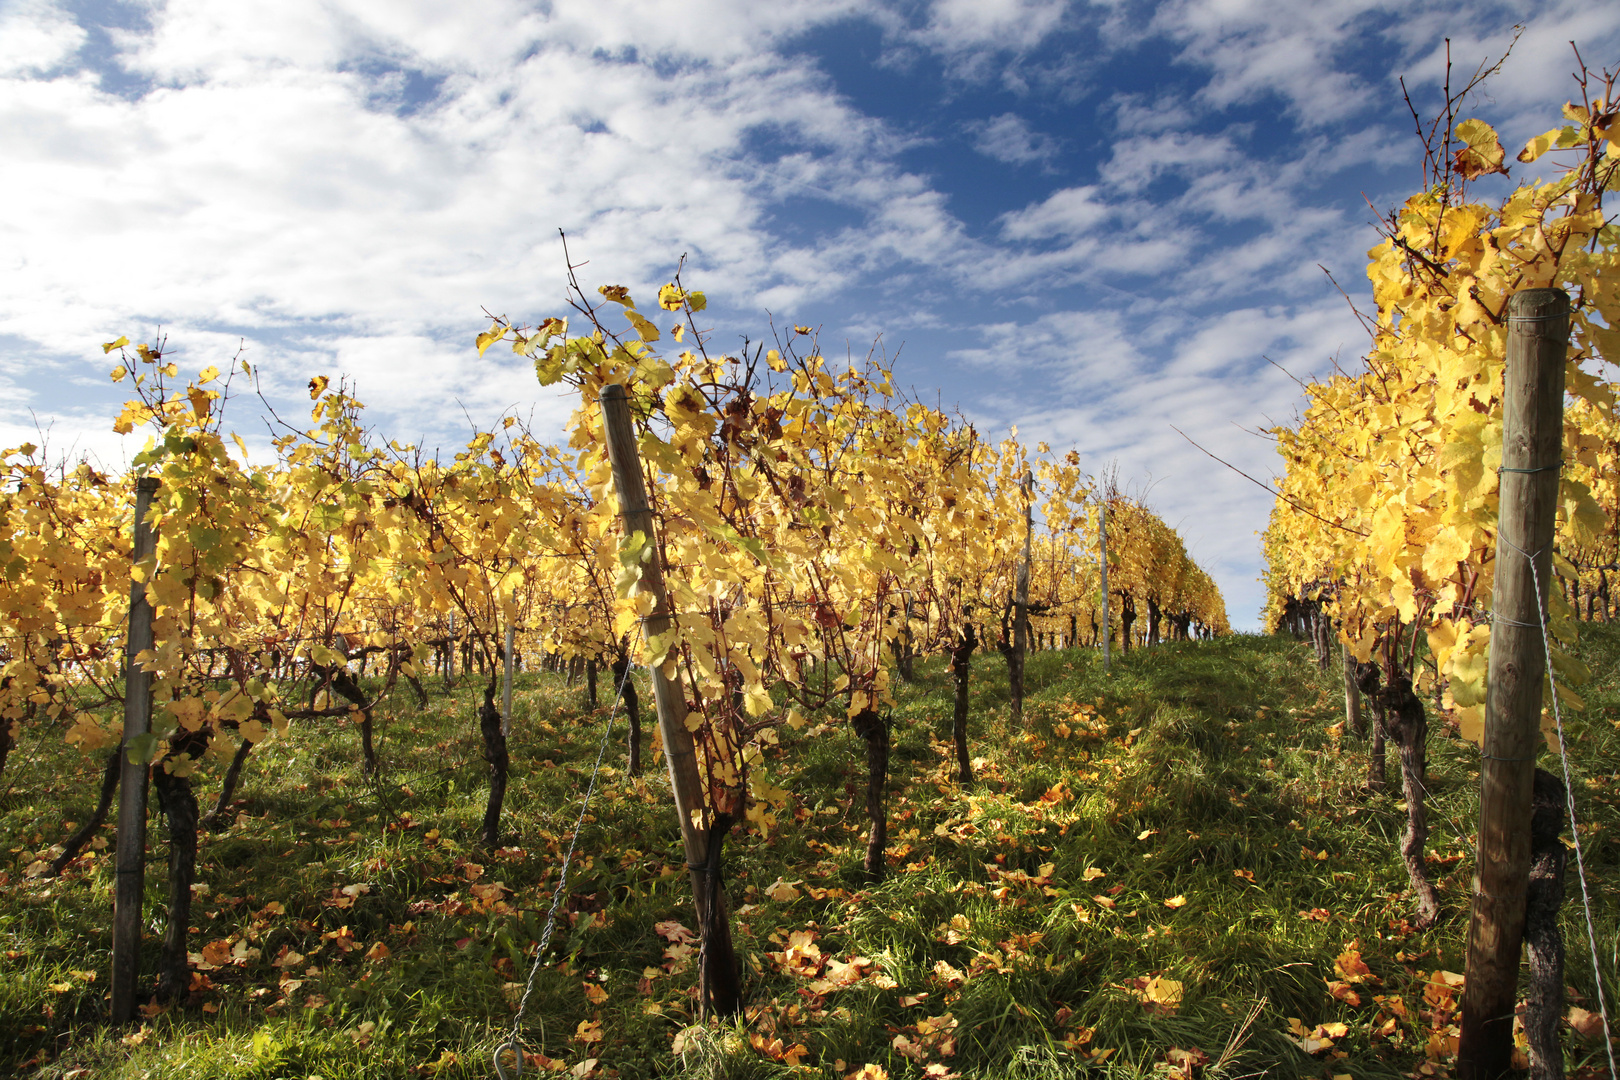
(1094, 221)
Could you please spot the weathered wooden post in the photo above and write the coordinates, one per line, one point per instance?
(1102, 536)
(130, 860)
(719, 973)
(1353, 716)
(506, 688)
(450, 654)
(1017, 655)
(1532, 445)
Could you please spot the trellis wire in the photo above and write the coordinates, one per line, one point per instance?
(514, 1041)
(1569, 800)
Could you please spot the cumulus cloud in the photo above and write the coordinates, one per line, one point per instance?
(343, 185)
(36, 36)
(1009, 138)
(1118, 384)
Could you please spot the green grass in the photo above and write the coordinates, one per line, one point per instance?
(1189, 763)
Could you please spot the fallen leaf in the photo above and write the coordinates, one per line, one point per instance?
(868, 1072)
(1350, 966)
(1340, 990)
(672, 930)
(782, 891)
(1588, 1025)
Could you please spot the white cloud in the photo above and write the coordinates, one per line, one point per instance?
(1009, 138)
(258, 187)
(1255, 48)
(271, 177)
(975, 36)
(1068, 212)
(1522, 99)
(1117, 384)
(36, 36)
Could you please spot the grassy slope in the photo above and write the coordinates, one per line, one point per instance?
(1189, 764)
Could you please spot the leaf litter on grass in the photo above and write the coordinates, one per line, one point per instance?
(1132, 873)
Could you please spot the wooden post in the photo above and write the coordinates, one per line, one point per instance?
(130, 860)
(1102, 535)
(1532, 444)
(506, 690)
(719, 962)
(1020, 628)
(1353, 717)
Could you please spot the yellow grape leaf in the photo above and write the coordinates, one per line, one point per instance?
(1539, 145)
(1481, 153)
(1442, 639)
(644, 327)
(1471, 723)
(111, 345)
(1442, 554)
(1470, 665)
(618, 294)
(670, 297)
(1092, 874)
(1176, 902)
(317, 387)
(489, 337)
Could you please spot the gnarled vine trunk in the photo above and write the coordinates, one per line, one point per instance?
(872, 728)
(719, 973)
(178, 802)
(1408, 724)
(495, 753)
(338, 679)
(961, 669)
(1354, 717)
(227, 790)
(1544, 943)
(1368, 682)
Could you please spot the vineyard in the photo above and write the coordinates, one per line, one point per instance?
(911, 752)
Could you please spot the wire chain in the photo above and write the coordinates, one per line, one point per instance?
(514, 1042)
(1569, 800)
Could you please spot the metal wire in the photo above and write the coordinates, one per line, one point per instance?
(1569, 800)
(514, 1042)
